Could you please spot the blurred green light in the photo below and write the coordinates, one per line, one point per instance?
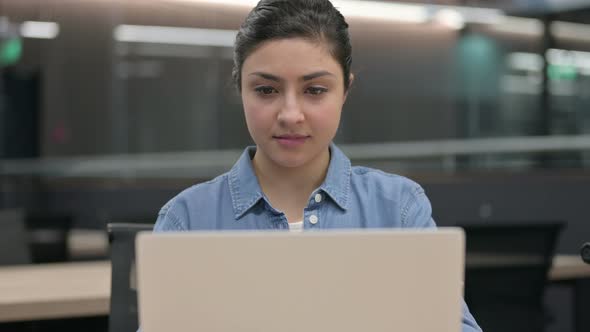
(564, 73)
(10, 51)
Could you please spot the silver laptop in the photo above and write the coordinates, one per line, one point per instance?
(386, 280)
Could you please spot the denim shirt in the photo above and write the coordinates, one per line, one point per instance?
(350, 197)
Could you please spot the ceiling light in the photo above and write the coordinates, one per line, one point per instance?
(175, 35)
(42, 30)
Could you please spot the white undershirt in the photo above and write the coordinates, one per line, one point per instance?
(296, 226)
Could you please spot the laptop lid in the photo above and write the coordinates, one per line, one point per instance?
(387, 280)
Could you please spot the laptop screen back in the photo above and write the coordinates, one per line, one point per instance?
(326, 281)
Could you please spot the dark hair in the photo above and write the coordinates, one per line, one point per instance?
(315, 20)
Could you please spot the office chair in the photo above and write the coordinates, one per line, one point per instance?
(48, 236)
(14, 239)
(123, 315)
(506, 272)
(585, 252)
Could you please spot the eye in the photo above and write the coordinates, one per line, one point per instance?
(315, 90)
(265, 90)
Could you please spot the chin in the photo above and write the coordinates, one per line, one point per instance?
(290, 162)
(289, 158)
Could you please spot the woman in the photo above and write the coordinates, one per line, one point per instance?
(292, 67)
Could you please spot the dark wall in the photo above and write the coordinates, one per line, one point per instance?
(455, 199)
(19, 113)
(518, 198)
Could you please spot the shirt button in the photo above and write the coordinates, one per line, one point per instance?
(313, 219)
(318, 198)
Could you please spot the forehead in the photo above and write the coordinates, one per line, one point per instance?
(291, 54)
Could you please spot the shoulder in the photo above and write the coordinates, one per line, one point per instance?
(400, 194)
(195, 193)
(385, 183)
(176, 210)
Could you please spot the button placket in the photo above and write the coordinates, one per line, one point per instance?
(312, 215)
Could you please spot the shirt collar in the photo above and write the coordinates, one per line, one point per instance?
(245, 190)
(337, 182)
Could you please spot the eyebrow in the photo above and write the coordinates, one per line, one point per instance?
(316, 75)
(307, 77)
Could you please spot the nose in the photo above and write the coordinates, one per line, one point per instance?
(291, 111)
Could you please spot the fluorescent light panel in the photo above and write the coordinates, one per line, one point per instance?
(481, 15)
(567, 30)
(519, 25)
(240, 3)
(578, 59)
(534, 62)
(398, 12)
(381, 10)
(525, 61)
(41, 30)
(175, 35)
(450, 18)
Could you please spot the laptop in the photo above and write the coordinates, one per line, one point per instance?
(361, 280)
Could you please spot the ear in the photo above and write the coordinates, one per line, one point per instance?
(350, 80)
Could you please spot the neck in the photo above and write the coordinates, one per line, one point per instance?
(300, 181)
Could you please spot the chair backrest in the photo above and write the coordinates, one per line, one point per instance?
(14, 238)
(123, 313)
(48, 235)
(585, 252)
(506, 271)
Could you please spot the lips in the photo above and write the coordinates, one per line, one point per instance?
(291, 136)
(291, 140)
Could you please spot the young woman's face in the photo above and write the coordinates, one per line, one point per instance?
(293, 93)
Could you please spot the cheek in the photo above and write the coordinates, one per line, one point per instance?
(327, 116)
(256, 116)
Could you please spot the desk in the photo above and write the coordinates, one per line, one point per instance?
(565, 267)
(46, 291)
(569, 267)
(87, 243)
(64, 290)
(571, 270)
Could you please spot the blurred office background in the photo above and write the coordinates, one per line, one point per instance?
(108, 108)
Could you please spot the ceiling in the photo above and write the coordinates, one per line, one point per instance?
(577, 11)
